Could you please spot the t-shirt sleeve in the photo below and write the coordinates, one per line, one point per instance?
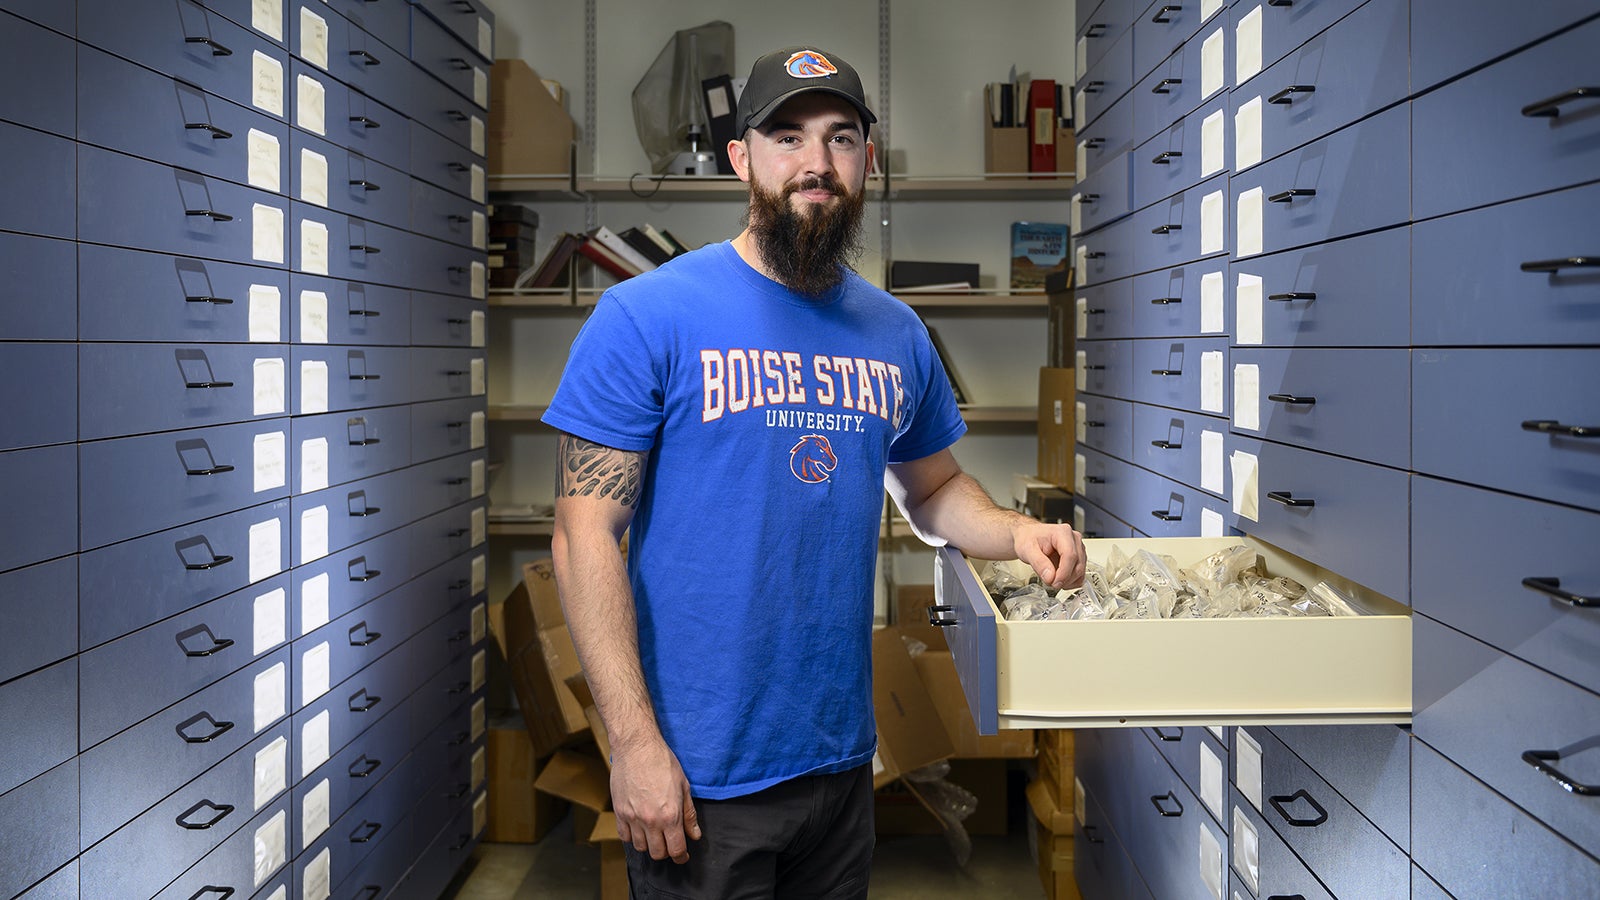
(936, 422)
(611, 390)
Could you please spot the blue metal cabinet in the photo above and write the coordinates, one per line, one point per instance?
(353, 512)
(1512, 129)
(1351, 402)
(61, 885)
(1106, 140)
(1531, 285)
(346, 117)
(1508, 419)
(41, 280)
(137, 388)
(231, 869)
(42, 407)
(471, 22)
(387, 20)
(1105, 310)
(39, 483)
(346, 446)
(345, 579)
(446, 216)
(1178, 84)
(368, 760)
(1108, 78)
(380, 873)
(1102, 197)
(1159, 506)
(325, 242)
(266, 18)
(41, 709)
(1084, 13)
(441, 268)
(39, 182)
(1160, 30)
(127, 586)
(1169, 442)
(57, 16)
(445, 536)
(1523, 589)
(1106, 368)
(333, 311)
(438, 53)
(325, 378)
(1100, 32)
(440, 161)
(1184, 228)
(447, 850)
(1369, 765)
(1177, 302)
(1344, 293)
(445, 427)
(362, 59)
(1462, 816)
(1200, 758)
(1178, 847)
(326, 174)
(135, 676)
(1285, 26)
(348, 840)
(354, 705)
(442, 374)
(445, 482)
(1262, 862)
(131, 295)
(41, 59)
(1096, 522)
(450, 114)
(38, 827)
(1175, 157)
(1107, 424)
(348, 644)
(443, 320)
(1481, 31)
(1172, 373)
(38, 616)
(1105, 254)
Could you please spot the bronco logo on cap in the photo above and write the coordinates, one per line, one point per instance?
(809, 64)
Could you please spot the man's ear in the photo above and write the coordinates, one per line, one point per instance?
(739, 155)
(872, 158)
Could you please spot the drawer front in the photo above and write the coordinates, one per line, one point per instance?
(46, 700)
(350, 643)
(1526, 295)
(1462, 816)
(1478, 140)
(1100, 30)
(129, 202)
(266, 18)
(62, 885)
(1106, 368)
(1263, 863)
(38, 616)
(41, 276)
(1303, 97)
(362, 60)
(450, 114)
(1082, 16)
(325, 242)
(192, 44)
(1100, 864)
(1178, 157)
(363, 764)
(1488, 29)
(1106, 140)
(1177, 85)
(134, 486)
(441, 268)
(438, 52)
(1178, 848)
(45, 411)
(1103, 197)
(472, 23)
(1280, 28)
(349, 709)
(1357, 526)
(51, 15)
(1182, 301)
(1181, 374)
(1539, 752)
(1369, 765)
(442, 537)
(344, 116)
(1156, 506)
(136, 388)
(154, 117)
(445, 427)
(1492, 599)
(333, 311)
(1092, 521)
(449, 217)
(1467, 410)
(441, 320)
(387, 20)
(327, 175)
(1184, 228)
(1353, 403)
(446, 852)
(262, 845)
(1159, 31)
(447, 374)
(440, 161)
(1106, 81)
(39, 181)
(175, 745)
(1105, 310)
(443, 483)
(1174, 444)
(346, 843)
(137, 675)
(130, 295)
(38, 825)
(344, 516)
(380, 873)
(1201, 761)
(340, 582)
(1361, 174)
(42, 59)
(339, 447)
(339, 378)
(1106, 425)
(45, 479)
(127, 586)
(1339, 294)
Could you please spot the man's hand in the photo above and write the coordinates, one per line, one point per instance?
(651, 797)
(1054, 551)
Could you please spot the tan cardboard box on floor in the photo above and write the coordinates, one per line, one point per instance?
(540, 656)
(910, 732)
(1057, 425)
(518, 814)
(937, 669)
(529, 132)
(911, 603)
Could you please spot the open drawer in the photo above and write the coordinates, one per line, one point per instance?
(1245, 671)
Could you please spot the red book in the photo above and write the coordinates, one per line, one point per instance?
(605, 259)
(1042, 125)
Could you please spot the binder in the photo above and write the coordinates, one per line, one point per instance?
(646, 247)
(621, 248)
(552, 271)
(1042, 125)
(719, 102)
(660, 240)
(605, 258)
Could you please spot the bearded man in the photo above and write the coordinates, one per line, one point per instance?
(742, 409)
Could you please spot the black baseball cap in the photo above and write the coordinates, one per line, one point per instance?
(785, 73)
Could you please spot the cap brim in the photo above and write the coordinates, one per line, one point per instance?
(759, 117)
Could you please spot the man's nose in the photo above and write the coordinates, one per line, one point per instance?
(818, 159)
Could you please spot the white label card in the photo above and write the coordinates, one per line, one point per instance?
(1082, 162)
(314, 814)
(477, 135)
(480, 717)
(271, 623)
(485, 37)
(1250, 231)
(263, 170)
(480, 230)
(314, 666)
(1247, 47)
(1212, 319)
(478, 473)
(313, 177)
(1211, 523)
(267, 380)
(1082, 306)
(271, 695)
(272, 771)
(266, 314)
(1212, 56)
(266, 549)
(480, 86)
(313, 534)
(479, 189)
(271, 846)
(1211, 861)
(266, 83)
(313, 464)
(1247, 308)
(313, 603)
(1080, 63)
(480, 812)
(476, 424)
(1211, 779)
(266, 16)
(479, 326)
(1078, 518)
(476, 371)
(1247, 767)
(313, 386)
(1082, 276)
(313, 38)
(1080, 801)
(317, 882)
(480, 669)
(480, 275)
(1079, 471)
(1208, 8)
(313, 743)
(1080, 421)
(1077, 216)
(480, 526)
(1247, 396)
(1247, 134)
(1212, 230)
(1245, 498)
(266, 233)
(314, 247)
(480, 766)
(310, 109)
(480, 622)
(480, 574)
(271, 452)
(1212, 366)
(313, 315)
(1213, 146)
(1080, 371)
(1211, 478)
(1246, 850)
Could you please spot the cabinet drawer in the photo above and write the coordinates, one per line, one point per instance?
(136, 388)
(128, 202)
(131, 295)
(1105, 141)
(1263, 863)
(177, 744)
(56, 16)
(1159, 31)
(327, 175)
(61, 885)
(47, 702)
(350, 643)
(440, 161)
(347, 841)
(451, 846)
(443, 537)
(1106, 425)
(387, 20)
(1174, 444)
(1352, 402)
(447, 216)
(442, 483)
(1098, 32)
(263, 845)
(265, 18)
(1463, 815)
(44, 480)
(1357, 525)
(335, 584)
(445, 374)
(1129, 672)
(39, 181)
(1201, 760)
(44, 410)
(338, 717)
(343, 516)
(438, 52)
(41, 279)
(369, 760)
(1526, 294)
(441, 268)
(139, 674)
(1105, 310)
(1369, 765)
(1487, 29)
(348, 118)
(1105, 83)
(1353, 180)
(328, 378)
(346, 446)
(1487, 138)
(38, 825)
(127, 586)
(1160, 506)
(1182, 301)
(1181, 374)
(1267, 32)
(1105, 368)
(1103, 197)
(1303, 97)
(1339, 294)
(471, 22)
(183, 40)
(41, 59)
(442, 320)
(1179, 849)
(1490, 599)
(380, 873)
(363, 60)
(325, 242)
(450, 114)
(1183, 228)
(1100, 864)
(38, 616)
(333, 311)
(1468, 410)
(444, 427)
(1178, 85)
(1178, 156)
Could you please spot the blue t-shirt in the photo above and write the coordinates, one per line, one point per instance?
(769, 418)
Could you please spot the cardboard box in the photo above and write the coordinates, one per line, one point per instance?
(1005, 150)
(1053, 829)
(1057, 424)
(518, 814)
(910, 732)
(911, 604)
(541, 656)
(613, 858)
(529, 133)
(1056, 768)
(937, 669)
(907, 807)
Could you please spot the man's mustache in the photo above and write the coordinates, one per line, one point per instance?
(816, 183)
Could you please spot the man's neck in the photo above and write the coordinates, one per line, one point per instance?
(745, 246)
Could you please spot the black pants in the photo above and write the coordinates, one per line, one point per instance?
(810, 837)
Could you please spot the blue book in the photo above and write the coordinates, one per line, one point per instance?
(1037, 250)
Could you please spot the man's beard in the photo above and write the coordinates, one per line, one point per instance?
(807, 251)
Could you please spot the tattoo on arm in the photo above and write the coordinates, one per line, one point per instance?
(587, 469)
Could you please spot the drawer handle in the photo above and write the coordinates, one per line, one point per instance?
(1161, 86)
(215, 301)
(1166, 445)
(217, 134)
(1094, 424)
(457, 636)
(1161, 808)
(1166, 158)
(1282, 800)
(1290, 194)
(1289, 499)
(221, 809)
(216, 890)
(460, 64)
(367, 313)
(1096, 30)
(1093, 87)
(1286, 96)
(370, 635)
(364, 122)
(1094, 143)
(214, 470)
(1161, 17)
(1089, 534)
(942, 616)
(459, 220)
(1556, 265)
(1292, 400)
(461, 844)
(364, 248)
(1551, 108)
(1166, 515)
(1552, 588)
(361, 707)
(371, 831)
(1090, 199)
(456, 115)
(214, 562)
(372, 890)
(1284, 3)
(457, 270)
(1089, 832)
(1293, 295)
(1541, 759)
(457, 532)
(455, 373)
(1166, 301)
(1092, 368)
(208, 384)
(1093, 479)
(366, 442)
(461, 738)
(218, 729)
(1162, 734)
(462, 788)
(365, 185)
(464, 6)
(371, 766)
(1166, 371)
(211, 214)
(455, 424)
(217, 645)
(459, 687)
(455, 482)
(455, 167)
(1095, 254)
(366, 511)
(369, 59)
(456, 321)
(366, 575)
(458, 584)
(1286, 897)
(1094, 312)
(365, 376)
(1166, 229)
(216, 48)
(1551, 426)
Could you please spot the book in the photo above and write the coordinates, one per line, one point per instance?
(679, 246)
(605, 258)
(553, 270)
(719, 104)
(646, 247)
(671, 248)
(956, 385)
(1038, 249)
(1042, 125)
(611, 241)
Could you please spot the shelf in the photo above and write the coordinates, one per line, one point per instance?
(974, 414)
(977, 299)
(522, 527)
(509, 412)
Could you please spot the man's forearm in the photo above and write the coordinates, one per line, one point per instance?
(965, 516)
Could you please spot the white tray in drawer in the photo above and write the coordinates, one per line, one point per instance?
(1246, 671)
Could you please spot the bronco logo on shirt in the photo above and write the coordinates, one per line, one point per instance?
(812, 459)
